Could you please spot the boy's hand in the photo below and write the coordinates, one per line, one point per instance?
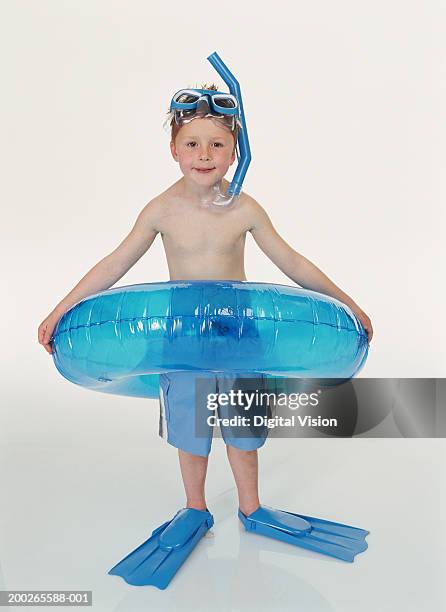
(366, 323)
(45, 331)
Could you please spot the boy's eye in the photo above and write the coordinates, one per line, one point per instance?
(191, 144)
(218, 144)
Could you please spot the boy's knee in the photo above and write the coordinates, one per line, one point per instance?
(193, 456)
(231, 449)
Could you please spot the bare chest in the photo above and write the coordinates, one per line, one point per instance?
(202, 232)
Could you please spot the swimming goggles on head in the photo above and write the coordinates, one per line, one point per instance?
(187, 104)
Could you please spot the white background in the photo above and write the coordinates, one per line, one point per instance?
(344, 104)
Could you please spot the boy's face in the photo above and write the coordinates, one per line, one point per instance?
(204, 150)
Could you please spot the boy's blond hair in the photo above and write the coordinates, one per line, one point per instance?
(175, 128)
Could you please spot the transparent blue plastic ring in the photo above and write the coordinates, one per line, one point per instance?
(119, 341)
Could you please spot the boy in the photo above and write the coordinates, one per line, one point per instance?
(202, 242)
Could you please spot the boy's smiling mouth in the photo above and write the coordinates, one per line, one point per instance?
(204, 170)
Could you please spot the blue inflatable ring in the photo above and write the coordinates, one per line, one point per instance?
(119, 341)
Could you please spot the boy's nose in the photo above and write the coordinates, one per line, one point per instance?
(204, 154)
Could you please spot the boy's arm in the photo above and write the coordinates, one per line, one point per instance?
(297, 267)
(110, 269)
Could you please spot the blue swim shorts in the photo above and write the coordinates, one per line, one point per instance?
(184, 415)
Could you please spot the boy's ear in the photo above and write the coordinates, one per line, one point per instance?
(232, 157)
(173, 150)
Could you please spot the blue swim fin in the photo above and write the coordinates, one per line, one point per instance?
(326, 537)
(157, 560)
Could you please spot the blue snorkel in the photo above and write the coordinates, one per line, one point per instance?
(243, 143)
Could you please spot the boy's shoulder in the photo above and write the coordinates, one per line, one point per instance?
(254, 211)
(158, 203)
(249, 202)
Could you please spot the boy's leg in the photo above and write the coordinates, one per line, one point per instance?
(178, 426)
(244, 466)
(193, 471)
(242, 443)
